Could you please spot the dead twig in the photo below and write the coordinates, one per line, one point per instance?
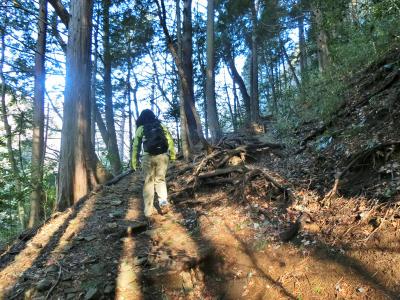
(359, 156)
(377, 228)
(58, 280)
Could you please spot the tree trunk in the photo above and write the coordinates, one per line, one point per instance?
(192, 117)
(122, 131)
(236, 103)
(185, 70)
(228, 102)
(36, 212)
(94, 80)
(240, 82)
(186, 146)
(135, 101)
(112, 146)
(203, 80)
(79, 169)
(183, 129)
(322, 40)
(7, 128)
(130, 114)
(61, 11)
(212, 115)
(283, 66)
(302, 46)
(291, 67)
(255, 105)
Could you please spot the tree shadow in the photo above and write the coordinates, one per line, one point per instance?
(50, 245)
(330, 254)
(258, 268)
(322, 252)
(80, 246)
(8, 256)
(216, 272)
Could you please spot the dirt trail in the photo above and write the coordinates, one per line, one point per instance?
(213, 248)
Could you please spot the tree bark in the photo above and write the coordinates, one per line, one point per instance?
(192, 116)
(203, 72)
(240, 82)
(61, 11)
(255, 105)
(122, 131)
(112, 146)
(135, 100)
(322, 40)
(36, 198)
(183, 128)
(79, 169)
(302, 46)
(212, 115)
(130, 114)
(94, 80)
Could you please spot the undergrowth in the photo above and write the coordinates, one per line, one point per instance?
(354, 44)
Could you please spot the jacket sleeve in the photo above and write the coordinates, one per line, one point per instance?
(170, 141)
(137, 146)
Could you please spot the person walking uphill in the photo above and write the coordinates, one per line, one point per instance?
(157, 143)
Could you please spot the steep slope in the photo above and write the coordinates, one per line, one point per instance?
(211, 245)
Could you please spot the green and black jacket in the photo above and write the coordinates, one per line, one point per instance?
(137, 145)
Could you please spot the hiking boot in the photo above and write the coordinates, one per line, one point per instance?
(164, 206)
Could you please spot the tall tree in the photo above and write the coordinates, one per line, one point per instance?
(184, 65)
(302, 45)
(79, 168)
(230, 62)
(36, 212)
(322, 37)
(111, 142)
(254, 106)
(182, 114)
(212, 115)
(94, 81)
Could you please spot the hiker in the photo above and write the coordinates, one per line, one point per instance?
(158, 149)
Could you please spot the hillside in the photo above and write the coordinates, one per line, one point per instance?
(251, 220)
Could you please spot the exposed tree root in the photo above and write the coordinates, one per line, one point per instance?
(226, 165)
(358, 157)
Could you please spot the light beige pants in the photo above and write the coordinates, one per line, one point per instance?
(154, 169)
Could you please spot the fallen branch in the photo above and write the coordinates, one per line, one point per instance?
(359, 156)
(283, 189)
(219, 172)
(118, 178)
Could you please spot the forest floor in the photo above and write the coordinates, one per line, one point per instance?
(252, 220)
